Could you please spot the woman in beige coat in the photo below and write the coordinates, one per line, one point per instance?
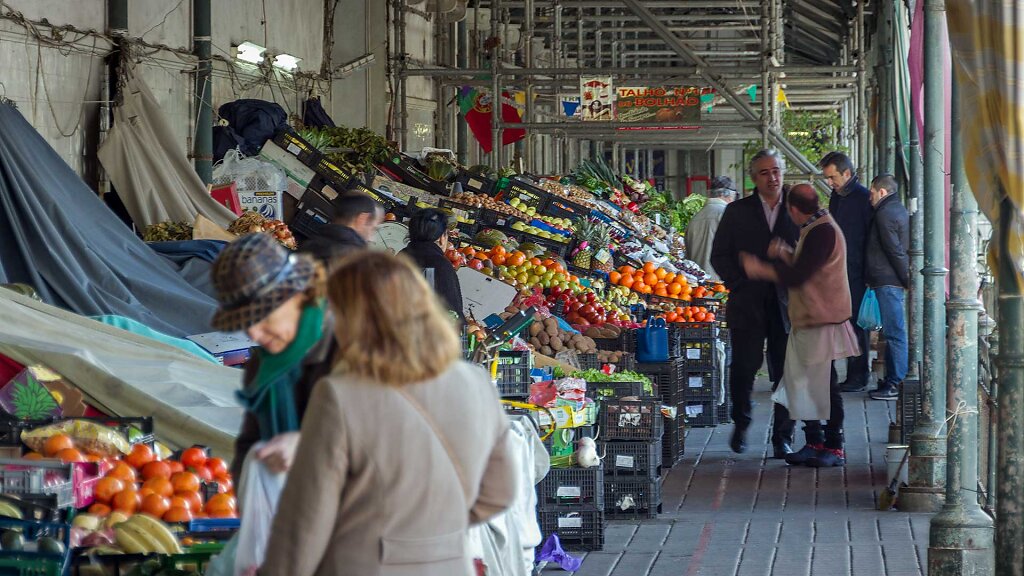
(403, 445)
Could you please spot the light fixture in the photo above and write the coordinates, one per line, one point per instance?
(249, 52)
(287, 62)
(350, 67)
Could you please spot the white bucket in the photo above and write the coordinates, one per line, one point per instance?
(893, 457)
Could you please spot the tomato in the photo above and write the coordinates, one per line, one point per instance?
(193, 457)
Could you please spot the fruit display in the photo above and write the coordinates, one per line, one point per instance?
(562, 224)
(252, 222)
(654, 280)
(585, 309)
(684, 314)
(592, 236)
(570, 192)
(485, 201)
(518, 204)
(547, 338)
(520, 226)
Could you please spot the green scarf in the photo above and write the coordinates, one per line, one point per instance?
(271, 394)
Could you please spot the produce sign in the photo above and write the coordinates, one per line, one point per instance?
(659, 104)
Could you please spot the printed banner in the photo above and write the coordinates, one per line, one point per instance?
(660, 104)
(597, 98)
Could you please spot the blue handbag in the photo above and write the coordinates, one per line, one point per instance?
(652, 342)
(869, 317)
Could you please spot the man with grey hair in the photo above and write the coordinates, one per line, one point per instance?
(756, 311)
(700, 232)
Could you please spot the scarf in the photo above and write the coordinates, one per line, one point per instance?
(815, 216)
(271, 394)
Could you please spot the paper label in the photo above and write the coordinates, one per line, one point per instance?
(500, 222)
(623, 461)
(570, 522)
(568, 492)
(696, 382)
(295, 150)
(695, 410)
(693, 353)
(474, 183)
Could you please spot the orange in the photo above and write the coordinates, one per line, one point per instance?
(155, 505)
(143, 492)
(127, 501)
(669, 277)
(674, 289)
(177, 514)
(175, 466)
(498, 250)
(122, 471)
(499, 259)
(649, 267)
(661, 273)
(159, 485)
(671, 317)
(218, 467)
(71, 455)
(156, 469)
(535, 261)
(547, 263)
(660, 291)
(517, 258)
(56, 443)
(650, 278)
(185, 482)
(181, 502)
(709, 317)
(99, 509)
(626, 280)
(32, 456)
(627, 269)
(558, 268)
(700, 316)
(93, 457)
(195, 501)
(140, 456)
(193, 457)
(574, 279)
(614, 277)
(221, 503)
(225, 486)
(107, 488)
(203, 473)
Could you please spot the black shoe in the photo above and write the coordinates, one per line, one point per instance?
(855, 386)
(781, 450)
(738, 441)
(827, 458)
(806, 453)
(886, 392)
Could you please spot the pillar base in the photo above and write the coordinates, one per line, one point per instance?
(961, 541)
(954, 562)
(921, 499)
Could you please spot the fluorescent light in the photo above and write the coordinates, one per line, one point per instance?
(249, 52)
(287, 62)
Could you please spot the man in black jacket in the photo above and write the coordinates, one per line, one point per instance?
(356, 218)
(887, 271)
(850, 207)
(756, 310)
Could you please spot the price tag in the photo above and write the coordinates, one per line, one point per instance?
(695, 410)
(568, 492)
(696, 382)
(693, 353)
(500, 222)
(570, 522)
(474, 183)
(295, 150)
(623, 461)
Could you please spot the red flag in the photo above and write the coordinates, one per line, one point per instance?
(477, 113)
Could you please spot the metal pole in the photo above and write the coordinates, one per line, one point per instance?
(765, 32)
(1010, 478)
(863, 144)
(462, 59)
(961, 535)
(202, 150)
(496, 146)
(528, 61)
(403, 100)
(927, 462)
(916, 252)
(888, 88)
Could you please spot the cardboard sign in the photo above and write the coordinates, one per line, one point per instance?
(483, 295)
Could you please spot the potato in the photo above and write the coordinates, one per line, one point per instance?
(551, 323)
(536, 328)
(551, 330)
(546, 351)
(594, 332)
(556, 345)
(535, 342)
(544, 338)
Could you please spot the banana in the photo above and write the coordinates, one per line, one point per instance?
(147, 540)
(10, 510)
(128, 541)
(86, 521)
(159, 531)
(114, 519)
(106, 551)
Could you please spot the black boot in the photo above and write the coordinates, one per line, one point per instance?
(833, 454)
(782, 432)
(738, 441)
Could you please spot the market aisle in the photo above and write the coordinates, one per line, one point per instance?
(742, 515)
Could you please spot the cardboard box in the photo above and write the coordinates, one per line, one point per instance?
(268, 203)
(299, 175)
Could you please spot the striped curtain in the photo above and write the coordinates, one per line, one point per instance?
(988, 54)
(901, 84)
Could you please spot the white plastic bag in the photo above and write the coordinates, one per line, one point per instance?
(249, 174)
(259, 492)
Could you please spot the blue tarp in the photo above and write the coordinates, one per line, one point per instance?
(57, 236)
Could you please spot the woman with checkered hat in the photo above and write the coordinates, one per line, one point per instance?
(277, 297)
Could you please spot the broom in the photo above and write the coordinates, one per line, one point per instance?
(887, 499)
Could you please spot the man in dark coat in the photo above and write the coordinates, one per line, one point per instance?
(756, 312)
(356, 218)
(887, 271)
(850, 207)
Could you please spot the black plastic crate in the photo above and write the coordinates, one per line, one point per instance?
(673, 442)
(665, 377)
(700, 384)
(631, 419)
(315, 208)
(725, 410)
(572, 486)
(590, 362)
(627, 498)
(579, 529)
(615, 390)
(296, 146)
(699, 353)
(528, 195)
(908, 408)
(698, 330)
(488, 217)
(553, 246)
(632, 459)
(477, 184)
(514, 374)
(701, 413)
(339, 178)
(611, 343)
(559, 207)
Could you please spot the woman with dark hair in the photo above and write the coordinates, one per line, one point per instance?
(428, 240)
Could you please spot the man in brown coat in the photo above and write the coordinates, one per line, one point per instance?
(819, 312)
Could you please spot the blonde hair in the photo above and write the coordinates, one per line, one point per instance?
(390, 326)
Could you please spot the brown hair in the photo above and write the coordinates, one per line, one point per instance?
(390, 325)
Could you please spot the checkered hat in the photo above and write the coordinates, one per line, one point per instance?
(253, 276)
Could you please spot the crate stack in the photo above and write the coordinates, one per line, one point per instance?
(667, 377)
(700, 383)
(514, 378)
(571, 503)
(631, 432)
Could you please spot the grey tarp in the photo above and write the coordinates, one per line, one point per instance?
(148, 167)
(191, 400)
(57, 236)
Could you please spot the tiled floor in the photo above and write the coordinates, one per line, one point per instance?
(742, 515)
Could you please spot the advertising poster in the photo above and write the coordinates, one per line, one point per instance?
(670, 105)
(597, 98)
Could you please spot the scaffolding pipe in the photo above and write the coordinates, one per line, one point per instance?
(665, 71)
(916, 252)
(927, 461)
(403, 99)
(202, 150)
(862, 102)
(961, 535)
(765, 39)
(496, 97)
(530, 93)
(654, 4)
(462, 58)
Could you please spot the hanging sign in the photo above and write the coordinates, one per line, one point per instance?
(659, 104)
(597, 98)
